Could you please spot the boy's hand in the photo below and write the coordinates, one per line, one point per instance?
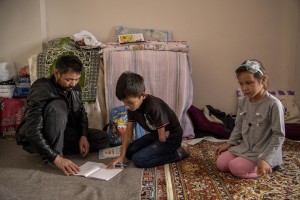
(162, 137)
(112, 164)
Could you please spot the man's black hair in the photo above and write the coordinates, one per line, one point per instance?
(69, 62)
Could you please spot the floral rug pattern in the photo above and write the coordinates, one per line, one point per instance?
(198, 178)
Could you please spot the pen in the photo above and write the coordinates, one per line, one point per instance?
(120, 165)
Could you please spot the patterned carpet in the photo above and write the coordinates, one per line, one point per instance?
(197, 178)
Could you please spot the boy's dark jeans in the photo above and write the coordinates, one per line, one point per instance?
(148, 151)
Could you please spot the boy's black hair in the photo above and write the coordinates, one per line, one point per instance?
(68, 62)
(130, 84)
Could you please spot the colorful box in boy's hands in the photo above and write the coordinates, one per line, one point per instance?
(129, 38)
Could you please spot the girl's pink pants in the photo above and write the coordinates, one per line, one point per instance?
(238, 166)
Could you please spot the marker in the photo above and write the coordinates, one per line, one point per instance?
(120, 165)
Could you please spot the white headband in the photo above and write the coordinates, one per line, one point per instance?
(252, 66)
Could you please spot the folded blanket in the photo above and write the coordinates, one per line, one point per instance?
(148, 45)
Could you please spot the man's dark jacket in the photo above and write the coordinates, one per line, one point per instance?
(43, 91)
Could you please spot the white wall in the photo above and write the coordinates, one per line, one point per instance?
(20, 30)
(221, 34)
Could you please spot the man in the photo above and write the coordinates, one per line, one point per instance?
(55, 121)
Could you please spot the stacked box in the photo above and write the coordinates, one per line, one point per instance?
(22, 88)
(7, 88)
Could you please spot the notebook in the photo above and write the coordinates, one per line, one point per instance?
(97, 171)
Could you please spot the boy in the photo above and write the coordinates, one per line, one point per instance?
(163, 142)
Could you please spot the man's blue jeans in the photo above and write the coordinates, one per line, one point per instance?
(148, 151)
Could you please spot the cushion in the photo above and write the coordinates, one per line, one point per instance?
(287, 97)
(149, 34)
(292, 131)
(211, 117)
(201, 123)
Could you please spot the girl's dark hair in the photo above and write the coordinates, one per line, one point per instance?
(253, 66)
(130, 84)
(68, 62)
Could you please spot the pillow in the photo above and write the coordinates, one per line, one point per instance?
(287, 98)
(292, 131)
(149, 34)
(210, 117)
(201, 123)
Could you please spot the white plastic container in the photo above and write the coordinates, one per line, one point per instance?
(7, 71)
(7, 91)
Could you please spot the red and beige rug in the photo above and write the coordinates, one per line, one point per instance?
(197, 178)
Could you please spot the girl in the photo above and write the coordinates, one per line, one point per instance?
(255, 145)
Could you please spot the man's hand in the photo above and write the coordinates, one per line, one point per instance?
(66, 165)
(84, 146)
(263, 168)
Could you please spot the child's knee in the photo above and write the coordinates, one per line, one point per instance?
(238, 169)
(235, 169)
(129, 153)
(221, 165)
(57, 109)
(139, 161)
